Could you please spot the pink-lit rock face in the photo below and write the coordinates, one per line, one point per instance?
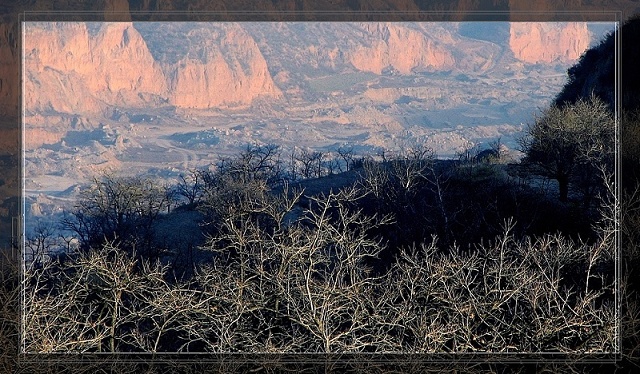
(124, 62)
(548, 42)
(36, 137)
(57, 58)
(70, 70)
(67, 71)
(399, 47)
(229, 71)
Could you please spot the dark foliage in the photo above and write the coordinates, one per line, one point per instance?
(595, 71)
(121, 210)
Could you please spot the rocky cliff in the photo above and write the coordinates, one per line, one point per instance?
(126, 73)
(548, 42)
(595, 71)
(400, 48)
(68, 71)
(88, 68)
(224, 67)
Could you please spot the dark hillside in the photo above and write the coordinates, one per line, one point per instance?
(595, 71)
(461, 203)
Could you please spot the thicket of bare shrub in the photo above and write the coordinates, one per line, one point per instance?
(296, 273)
(303, 283)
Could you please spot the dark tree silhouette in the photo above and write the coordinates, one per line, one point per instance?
(565, 140)
(119, 209)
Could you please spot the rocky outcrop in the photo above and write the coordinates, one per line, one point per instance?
(68, 71)
(595, 72)
(400, 48)
(224, 68)
(62, 46)
(548, 42)
(201, 66)
(36, 137)
(125, 67)
(57, 58)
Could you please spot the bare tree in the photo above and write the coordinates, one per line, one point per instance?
(376, 178)
(311, 163)
(312, 277)
(255, 162)
(331, 165)
(347, 155)
(283, 278)
(118, 208)
(307, 287)
(506, 296)
(39, 246)
(10, 311)
(104, 301)
(191, 186)
(569, 141)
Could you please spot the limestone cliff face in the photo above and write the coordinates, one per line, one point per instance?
(70, 71)
(125, 68)
(67, 71)
(57, 59)
(399, 47)
(548, 42)
(225, 69)
(62, 46)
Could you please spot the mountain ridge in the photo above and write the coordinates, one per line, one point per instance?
(232, 64)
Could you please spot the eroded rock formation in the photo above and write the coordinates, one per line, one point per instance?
(225, 68)
(548, 42)
(68, 71)
(72, 70)
(400, 48)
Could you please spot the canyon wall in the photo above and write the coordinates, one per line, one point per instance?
(69, 69)
(401, 48)
(225, 68)
(548, 42)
